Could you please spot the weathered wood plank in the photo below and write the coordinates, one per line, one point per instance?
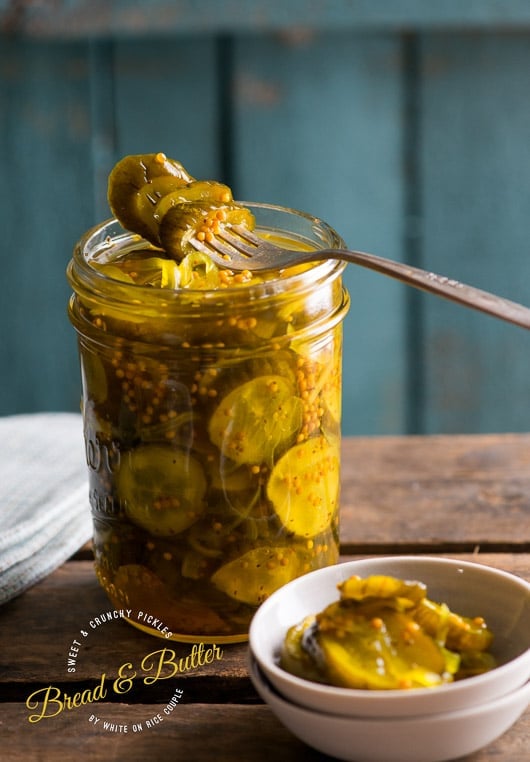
(475, 191)
(140, 97)
(194, 732)
(197, 732)
(414, 491)
(399, 494)
(52, 614)
(317, 127)
(127, 17)
(200, 731)
(38, 628)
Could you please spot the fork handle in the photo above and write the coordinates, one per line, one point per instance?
(451, 289)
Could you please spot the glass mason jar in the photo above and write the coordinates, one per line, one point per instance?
(212, 431)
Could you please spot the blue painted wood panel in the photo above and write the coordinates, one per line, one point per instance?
(475, 134)
(45, 200)
(79, 18)
(152, 95)
(318, 127)
(68, 112)
(411, 144)
(166, 98)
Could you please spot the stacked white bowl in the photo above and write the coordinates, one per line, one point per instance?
(416, 725)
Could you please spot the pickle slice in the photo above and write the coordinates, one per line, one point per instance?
(381, 586)
(112, 270)
(146, 271)
(198, 218)
(420, 654)
(475, 663)
(94, 377)
(361, 661)
(196, 270)
(252, 577)
(137, 183)
(294, 658)
(256, 420)
(162, 489)
(352, 663)
(386, 651)
(458, 632)
(384, 633)
(304, 487)
(196, 191)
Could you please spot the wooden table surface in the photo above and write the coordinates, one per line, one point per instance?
(463, 496)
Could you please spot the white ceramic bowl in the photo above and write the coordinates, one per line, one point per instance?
(431, 738)
(470, 589)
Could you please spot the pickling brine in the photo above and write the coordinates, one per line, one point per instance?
(211, 405)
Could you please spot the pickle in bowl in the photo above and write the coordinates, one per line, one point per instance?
(384, 633)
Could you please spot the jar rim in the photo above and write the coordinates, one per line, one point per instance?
(81, 275)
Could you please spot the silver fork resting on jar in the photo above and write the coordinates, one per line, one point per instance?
(237, 248)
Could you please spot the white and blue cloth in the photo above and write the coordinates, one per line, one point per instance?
(44, 510)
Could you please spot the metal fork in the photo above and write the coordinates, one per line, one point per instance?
(237, 248)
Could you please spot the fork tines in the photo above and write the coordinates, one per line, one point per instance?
(228, 244)
(216, 246)
(247, 235)
(244, 242)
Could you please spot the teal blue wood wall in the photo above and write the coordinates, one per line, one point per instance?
(404, 124)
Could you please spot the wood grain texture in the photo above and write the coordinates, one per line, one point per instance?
(52, 614)
(197, 732)
(166, 99)
(219, 715)
(219, 712)
(417, 491)
(65, 118)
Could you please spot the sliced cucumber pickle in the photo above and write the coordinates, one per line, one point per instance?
(162, 489)
(460, 633)
(304, 487)
(137, 183)
(382, 586)
(194, 192)
(198, 218)
(294, 657)
(362, 661)
(155, 197)
(256, 420)
(382, 634)
(252, 577)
